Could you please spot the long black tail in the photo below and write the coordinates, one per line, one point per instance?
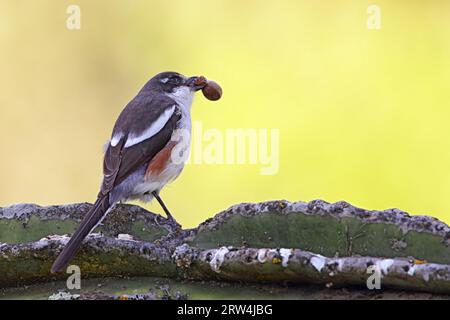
(92, 218)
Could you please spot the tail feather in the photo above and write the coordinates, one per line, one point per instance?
(92, 218)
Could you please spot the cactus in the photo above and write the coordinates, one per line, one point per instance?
(297, 242)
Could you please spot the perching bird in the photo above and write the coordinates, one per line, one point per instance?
(139, 159)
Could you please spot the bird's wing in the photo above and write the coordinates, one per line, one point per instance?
(131, 149)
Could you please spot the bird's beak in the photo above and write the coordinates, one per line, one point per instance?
(196, 83)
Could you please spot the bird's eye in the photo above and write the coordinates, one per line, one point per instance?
(175, 80)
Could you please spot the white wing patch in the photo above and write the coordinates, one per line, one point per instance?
(115, 139)
(153, 129)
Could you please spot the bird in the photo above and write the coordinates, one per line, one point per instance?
(149, 140)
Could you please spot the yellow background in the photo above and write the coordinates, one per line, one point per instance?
(363, 114)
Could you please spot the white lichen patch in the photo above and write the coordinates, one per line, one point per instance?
(262, 255)
(19, 211)
(265, 255)
(340, 265)
(318, 262)
(61, 238)
(420, 269)
(426, 276)
(44, 242)
(63, 295)
(125, 236)
(95, 235)
(384, 265)
(285, 254)
(218, 258)
(412, 270)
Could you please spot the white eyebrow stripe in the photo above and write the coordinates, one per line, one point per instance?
(154, 128)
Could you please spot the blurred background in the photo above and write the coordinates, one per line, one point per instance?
(363, 114)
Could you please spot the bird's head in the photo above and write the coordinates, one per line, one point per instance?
(172, 82)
